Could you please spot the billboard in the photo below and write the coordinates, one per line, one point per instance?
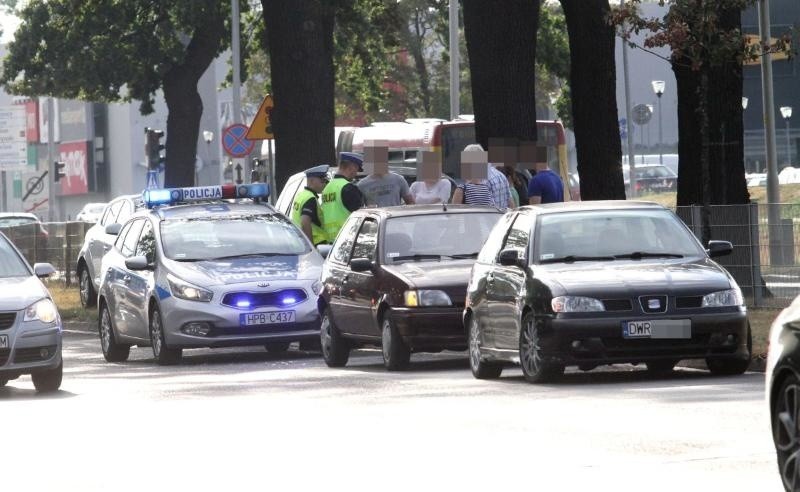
(76, 157)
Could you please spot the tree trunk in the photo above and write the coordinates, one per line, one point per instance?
(300, 44)
(690, 172)
(501, 43)
(416, 46)
(184, 105)
(594, 99)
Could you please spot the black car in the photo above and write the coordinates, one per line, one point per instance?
(396, 278)
(783, 392)
(593, 283)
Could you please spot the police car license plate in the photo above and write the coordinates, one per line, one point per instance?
(266, 318)
(3, 341)
(662, 328)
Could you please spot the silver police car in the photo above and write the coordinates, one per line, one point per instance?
(30, 327)
(208, 274)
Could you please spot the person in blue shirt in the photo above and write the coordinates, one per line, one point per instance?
(546, 186)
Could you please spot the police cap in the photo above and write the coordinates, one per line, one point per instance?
(320, 171)
(352, 157)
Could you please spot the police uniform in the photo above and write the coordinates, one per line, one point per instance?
(306, 204)
(340, 198)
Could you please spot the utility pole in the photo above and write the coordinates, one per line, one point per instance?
(455, 70)
(237, 79)
(51, 158)
(631, 157)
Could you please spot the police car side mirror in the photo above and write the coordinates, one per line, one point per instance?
(137, 263)
(324, 250)
(113, 229)
(361, 264)
(43, 270)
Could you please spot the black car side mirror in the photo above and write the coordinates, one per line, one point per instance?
(719, 248)
(361, 264)
(510, 257)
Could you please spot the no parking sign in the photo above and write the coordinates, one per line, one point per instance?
(234, 141)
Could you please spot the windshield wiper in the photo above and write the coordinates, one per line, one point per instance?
(246, 255)
(417, 257)
(573, 258)
(464, 255)
(638, 255)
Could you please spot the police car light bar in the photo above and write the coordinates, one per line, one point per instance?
(173, 196)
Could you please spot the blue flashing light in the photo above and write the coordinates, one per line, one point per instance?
(156, 197)
(172, 196)
(243, 304)
(254, 190)
(288, 300)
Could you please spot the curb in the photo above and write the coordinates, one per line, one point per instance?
(79, 326)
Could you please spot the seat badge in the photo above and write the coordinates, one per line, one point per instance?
(653, 304)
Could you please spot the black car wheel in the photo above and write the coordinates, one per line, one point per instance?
(732, 367)
(48, 380)
(277, 347)
(396, 353)
(335, 349)
(3, 382)
(481, 369)
(786, 434)
(86, 288)
(112, 351)
(534, 368)
(165, 356)
(661, 367)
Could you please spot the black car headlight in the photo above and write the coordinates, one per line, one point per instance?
(187, 291)
(576, 304)
(417, 298)
(724, 298)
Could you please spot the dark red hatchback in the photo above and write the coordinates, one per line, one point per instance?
(397, 278)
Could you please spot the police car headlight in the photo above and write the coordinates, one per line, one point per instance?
(723, 298)
(43, 310)
(317, 287)
(417, 298)
(187, 291)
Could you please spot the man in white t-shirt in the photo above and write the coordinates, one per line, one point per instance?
(382, 188)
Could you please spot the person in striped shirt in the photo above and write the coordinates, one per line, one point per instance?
(475, 190)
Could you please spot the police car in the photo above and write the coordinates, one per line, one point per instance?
(196, 269)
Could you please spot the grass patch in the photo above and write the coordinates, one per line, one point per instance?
(68, 301)
(790, 193)
(760, 321)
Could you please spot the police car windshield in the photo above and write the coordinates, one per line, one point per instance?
(11, 265)
(436, 236)
(228, 237)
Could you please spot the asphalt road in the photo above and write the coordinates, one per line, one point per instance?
(246, 420)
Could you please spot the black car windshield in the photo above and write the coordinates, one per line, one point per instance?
(11, 265)
(613, 235)
(432, 237)
(16, 221)
(230, 237)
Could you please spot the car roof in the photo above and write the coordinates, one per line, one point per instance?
(208, 210)
(588, 206)
(5, 215)
(413, 210)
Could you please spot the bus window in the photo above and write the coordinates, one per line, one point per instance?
(396, 157)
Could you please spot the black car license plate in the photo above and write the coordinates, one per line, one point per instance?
(662, 328)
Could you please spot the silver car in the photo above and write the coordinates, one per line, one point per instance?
(30, 327)
(98, 241)
(210, 274)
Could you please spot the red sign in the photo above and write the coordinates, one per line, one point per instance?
(75, 155)
(32, 120)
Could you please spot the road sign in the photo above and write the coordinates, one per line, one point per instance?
(235, 142)
(261, 127)
(13, 140)
(641, 114)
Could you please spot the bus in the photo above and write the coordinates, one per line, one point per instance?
(406, 138)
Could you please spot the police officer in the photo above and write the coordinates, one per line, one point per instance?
(306, 212)
(341, 197)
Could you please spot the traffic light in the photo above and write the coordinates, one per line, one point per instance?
(59, 171)
(153, 147)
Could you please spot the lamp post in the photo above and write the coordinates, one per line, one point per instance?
(786, 112)
(658, 88)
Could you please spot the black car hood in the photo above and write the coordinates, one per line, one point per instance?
(433, 274)
(623, 278)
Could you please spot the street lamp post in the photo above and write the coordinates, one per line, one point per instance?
(658, 88)
(786, 112)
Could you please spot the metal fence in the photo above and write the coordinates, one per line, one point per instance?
(57, 243)
(765, 255)
(765, 260)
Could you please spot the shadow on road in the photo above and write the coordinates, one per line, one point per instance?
(11, 392)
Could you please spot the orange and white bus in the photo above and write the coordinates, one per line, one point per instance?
(406, 139)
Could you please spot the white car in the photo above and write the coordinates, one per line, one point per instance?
(91, 212)
(30, 327)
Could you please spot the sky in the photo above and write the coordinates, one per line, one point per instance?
(9, 24)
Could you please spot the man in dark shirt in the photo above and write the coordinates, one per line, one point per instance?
(545, 187)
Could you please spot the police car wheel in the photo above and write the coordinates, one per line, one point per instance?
(112, 351)
(335, 349)
(396, 353)
(165, 356)
(277, 347)
(86, 288)
(48, 380)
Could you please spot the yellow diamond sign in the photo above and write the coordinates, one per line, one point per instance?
(261, 127)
